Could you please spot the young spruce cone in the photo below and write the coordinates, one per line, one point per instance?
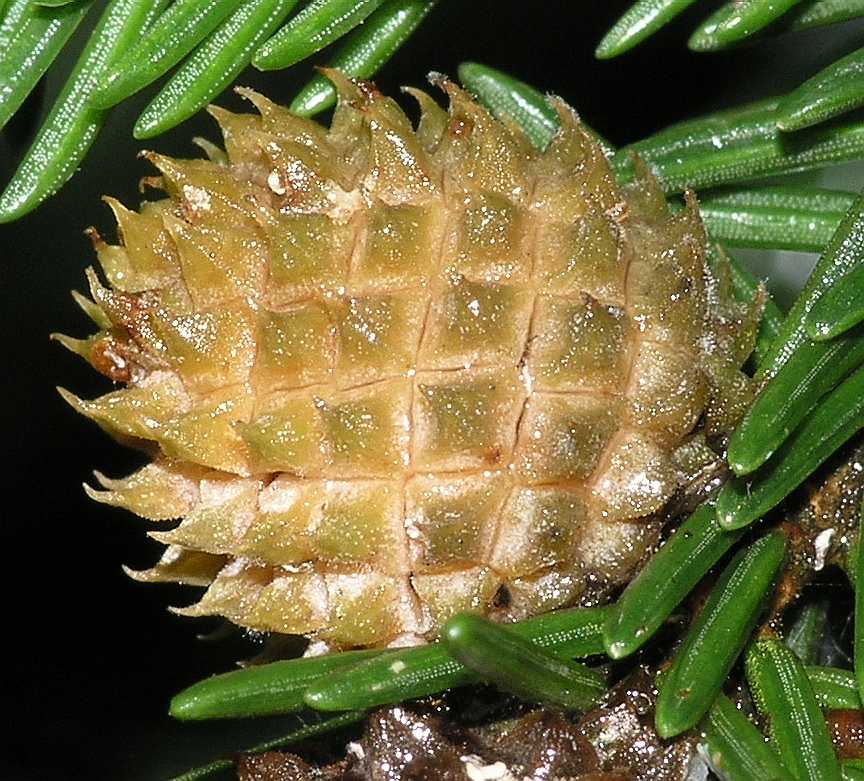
(387, 375)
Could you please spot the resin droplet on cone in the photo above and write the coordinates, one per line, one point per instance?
(385, 373)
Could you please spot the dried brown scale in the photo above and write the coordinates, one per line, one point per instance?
(847, 732)
(389, 372)
(835, 505)
(274, 766)
(622, 733)
(543, 744)
(421, 740)
(822, 524)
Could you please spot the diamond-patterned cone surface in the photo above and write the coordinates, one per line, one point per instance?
(388, 374)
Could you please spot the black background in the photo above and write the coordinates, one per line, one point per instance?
(91, 657)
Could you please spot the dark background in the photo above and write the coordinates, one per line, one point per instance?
(92, 658)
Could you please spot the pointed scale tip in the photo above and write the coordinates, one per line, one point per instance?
(191, 611)
(95, 238)
(91, 309)
(71, 399)
(127, 570)
(105, 481)
(332, 87)
(103, 497)
(347, 88)
(119, 211)
(213, 152)
(77, 346)
(262, 103)
(167, 166)
(218, 113)
(436, 78)
(139, 575)
(166, 537)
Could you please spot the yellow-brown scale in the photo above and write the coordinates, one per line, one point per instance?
(385, 373)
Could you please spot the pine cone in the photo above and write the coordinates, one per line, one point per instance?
(389, 374)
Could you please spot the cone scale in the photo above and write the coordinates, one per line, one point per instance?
(388, 374)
